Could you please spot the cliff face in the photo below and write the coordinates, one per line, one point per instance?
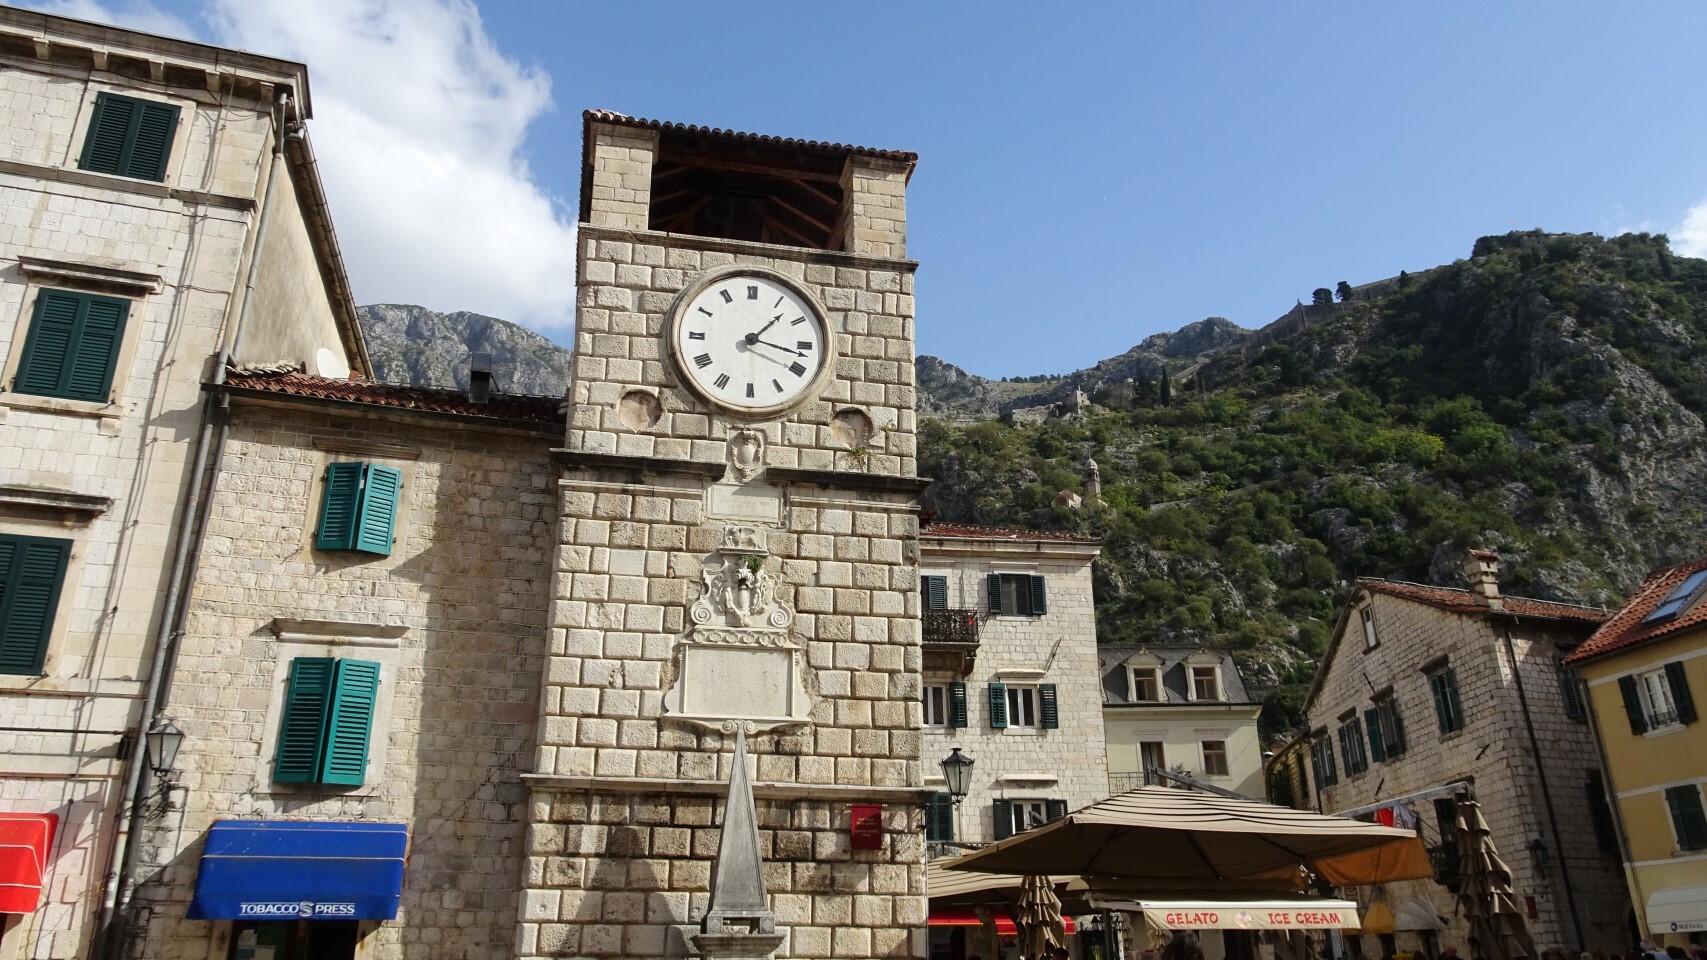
(414, 345)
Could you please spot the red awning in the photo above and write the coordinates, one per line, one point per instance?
(25, 839)
(966, 917)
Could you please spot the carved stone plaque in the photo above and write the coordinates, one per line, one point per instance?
(737, 682)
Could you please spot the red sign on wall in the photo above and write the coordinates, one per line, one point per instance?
(866, 826)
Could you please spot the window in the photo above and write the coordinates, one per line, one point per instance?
(1215, 758)
(1655, 699)
(1367, 615)
(72, 347)
(1152, 755)
(1017, 594)
(1023, 707)
(1448, 713)
(1679, 599)
(1605, 836)
(1386, 729)
(939, 817)
(32, 571)
(1687, 819)
(1205, 683)
(359, 508)
(935, 591)
(1145, 686)
(1570, 695)
(1322, 761)
(1352, 751)
(945, 704)
(1014, 816)
(129, 137)
(328, 717)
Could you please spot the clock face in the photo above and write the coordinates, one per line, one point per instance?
(750, 342)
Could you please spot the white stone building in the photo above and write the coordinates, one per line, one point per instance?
(1181, 708)
(155, 217)
(1010, 677)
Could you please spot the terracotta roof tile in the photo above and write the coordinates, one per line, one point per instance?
(611, 116)
(500, 407)
(1463, 601)
(1625, 629)
(962, 531)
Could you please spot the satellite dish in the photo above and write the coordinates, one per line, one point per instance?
(329, 365)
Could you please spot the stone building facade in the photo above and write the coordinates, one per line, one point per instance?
(1426, 687)
(135, 173)
(1181, 708)
(1013, 687)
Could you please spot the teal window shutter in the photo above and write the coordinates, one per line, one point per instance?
(381, 490)
(32, 572)
(1633, 705)
(1687, 817)
(340, 507)
(72, 348)
(1681, 700)
(1002, 813)
(993, 588)
(998, 706)
(935, 590)
(1047, 706)
(1377, 748)
(1054, 809)
(939, 817)
(1568, 691)
(957, 703)
(1437, 690)
(129, 137)
(349, 723)
(1039, 597)
(302, 729)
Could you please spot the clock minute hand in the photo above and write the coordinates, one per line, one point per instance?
(779, 346)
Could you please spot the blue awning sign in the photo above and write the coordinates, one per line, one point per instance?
(301, 870)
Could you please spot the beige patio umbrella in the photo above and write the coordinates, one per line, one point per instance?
(1497, 929)
(1158, 833)
(1039, 918)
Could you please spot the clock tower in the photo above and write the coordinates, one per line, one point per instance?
(738, 512)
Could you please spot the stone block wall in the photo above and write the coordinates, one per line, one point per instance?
(467, 582)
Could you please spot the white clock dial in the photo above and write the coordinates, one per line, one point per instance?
(750, 342)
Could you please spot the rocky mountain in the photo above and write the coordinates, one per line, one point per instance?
(414, 345)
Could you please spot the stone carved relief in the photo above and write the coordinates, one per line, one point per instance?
(746, 454)
(738, 663)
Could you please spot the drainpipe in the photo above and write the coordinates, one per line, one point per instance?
(1546, 791)
(112, 929)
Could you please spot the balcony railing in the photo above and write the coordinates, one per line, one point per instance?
(951, 626)
(1444, 858)
(1662, 717)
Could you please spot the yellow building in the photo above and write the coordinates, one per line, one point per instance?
(1640, 669)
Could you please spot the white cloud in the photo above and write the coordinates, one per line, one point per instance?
(418, 125)
(1689, 238)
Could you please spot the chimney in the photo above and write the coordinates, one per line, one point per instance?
(1482, 570)
(479, 377)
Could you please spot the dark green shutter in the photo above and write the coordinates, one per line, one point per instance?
(1345, 752)
(73, 346)
(339, 507)
(1377, 747)
(49, 343)
(935, 590)
(1328, 760)
(1687, 816)
(1054, 809)
(1039, 597)
(993, 588)
(90, 373)
(32, 571)
(1633, 705)
(1050, 711)
(998, 706)
(1002, 812)
(109, 132)
(1681, 700)
(939, 817)
(381, 489)
(129, 137)
(302, 728)
(957, 703)
(349, 721)
(1568, 691)
(1442, 713)
(151, 145)
(1452, 702)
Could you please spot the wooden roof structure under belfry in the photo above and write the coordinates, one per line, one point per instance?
(741, 186)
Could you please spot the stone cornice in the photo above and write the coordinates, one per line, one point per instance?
(686, 241)
(834, 792)
(79, 506)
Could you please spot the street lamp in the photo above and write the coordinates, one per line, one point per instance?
(957, 770)
(162, 742)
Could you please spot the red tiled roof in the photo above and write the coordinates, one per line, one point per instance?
(611, 116)
(962, 531)
(500, 407)
(1626, 629)
(1463, 601)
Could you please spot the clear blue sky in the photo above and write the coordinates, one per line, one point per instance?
(1093, 173)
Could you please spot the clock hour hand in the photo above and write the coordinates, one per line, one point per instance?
(768, 325)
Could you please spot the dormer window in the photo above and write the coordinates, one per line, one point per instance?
(1145, 686)
(1205, 683)
(1367, 615)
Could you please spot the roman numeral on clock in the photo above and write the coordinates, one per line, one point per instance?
(803, 345)
(722, 380)
(705, 311)
(702, 361)
(797, 321)
(727, 296)
(749, 390)
(777, 384)
(752, 293)
(696, 334)
(797, 368)
(778, 302)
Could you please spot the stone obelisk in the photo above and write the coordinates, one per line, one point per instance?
(739, 924)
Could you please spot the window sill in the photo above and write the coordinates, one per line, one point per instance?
(108, 413)
(1664, 731)
(1021, 731)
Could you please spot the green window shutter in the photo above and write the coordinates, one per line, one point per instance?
(302, 729)
(1687, 817)
(1054, 809)
(72, 346)
(1039, 597)
(381, 489)
(1437, 689)
(89, 375)
(1377, 748)
(109, 133)
(129, 137)
(339, 506)
(957, 703)
(935, 590)
(349, 717)
(1633, 705)
(1454, 707)
(939, 817)
(1681, 700)
(998, 706)
(1568, 692)
(1345, 751)
(1047, 706)
(151, 143)
(32, 571)
(993, 588)
(1002, 812)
